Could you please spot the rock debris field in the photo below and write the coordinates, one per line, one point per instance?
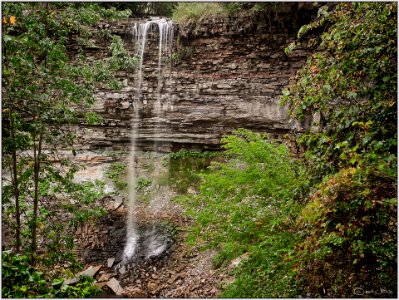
(177, 272)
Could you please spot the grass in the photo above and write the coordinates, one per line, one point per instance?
(193, 11)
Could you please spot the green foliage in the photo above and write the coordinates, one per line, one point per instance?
(84, 288)
(142, 183)
(268, 272)
(44, 82)
(351, 81)
(230, 250)
(183, 154)
(117, 172)
(92, 118)
(193, 11)
(143, 8)
(57, 217)
(21, 280)
(349, 225)
(348, 228)
(190, 12)
(245, 200)
(184, 168)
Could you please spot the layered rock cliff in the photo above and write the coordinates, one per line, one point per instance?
(223, 73)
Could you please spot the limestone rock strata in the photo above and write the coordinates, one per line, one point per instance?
(223, 74)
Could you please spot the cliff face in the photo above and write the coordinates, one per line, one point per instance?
(223, 74)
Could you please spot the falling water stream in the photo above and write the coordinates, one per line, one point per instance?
(140, 33)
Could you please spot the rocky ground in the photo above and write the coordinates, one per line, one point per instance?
(181, 271)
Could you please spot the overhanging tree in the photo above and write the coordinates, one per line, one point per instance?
(41, 85)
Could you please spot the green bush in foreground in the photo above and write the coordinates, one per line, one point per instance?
(267, 273)
(21, 280)
(349, 236)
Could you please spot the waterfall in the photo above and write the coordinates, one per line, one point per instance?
(140, 33)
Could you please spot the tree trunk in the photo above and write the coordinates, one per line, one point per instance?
(37, 154)
(16, 188)
(37, 151)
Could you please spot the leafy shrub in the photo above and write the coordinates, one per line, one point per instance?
(21, 280)
(142, 183)
(351, 83)
(246, 199)
(349, 229)
(268, 273)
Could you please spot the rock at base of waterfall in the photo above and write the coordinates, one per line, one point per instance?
(100, 284)
(214, 291)
(90, 271)
(118, 201)
(105, 277)
(191, 191)
(114, 285)
(122, 270)
(110, 262)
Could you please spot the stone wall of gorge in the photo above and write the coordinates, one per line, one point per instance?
(223, 74)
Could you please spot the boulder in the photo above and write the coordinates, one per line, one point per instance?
(110, 262)
(114, 285)
(90, 271)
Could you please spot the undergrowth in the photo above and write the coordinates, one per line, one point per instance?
(253, 203)
(21, 280)
(186, 12)
(247, 205)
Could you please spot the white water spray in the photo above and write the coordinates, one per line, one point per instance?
(140, 35)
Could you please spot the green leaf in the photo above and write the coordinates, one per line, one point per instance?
(352, 161)
(286, 92)
(57, 282)
(7, 38)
